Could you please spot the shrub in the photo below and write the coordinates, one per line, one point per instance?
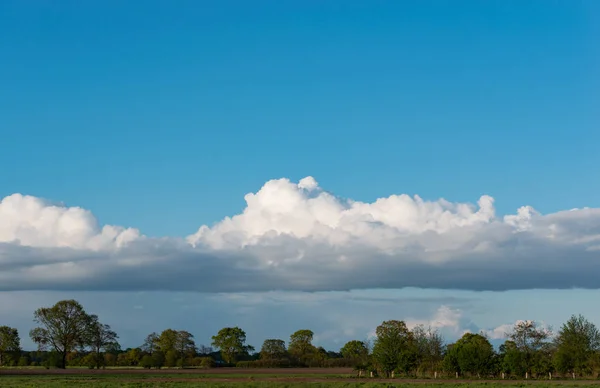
(89, 361)
(146, 362)
(158, 360)
(52, 360)
(283, 363)
(207, 362)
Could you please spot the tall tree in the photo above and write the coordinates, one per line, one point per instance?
(273, 349)
(63, 328)
(167, 340)
(394, 347)
(577, 343)
(450, 362)
(429, 346)
(231, 341)
(176, 345)
(184, 346)
(10, 344)
(100, 337)
(530, 339)
(301, 347)
(150, 343)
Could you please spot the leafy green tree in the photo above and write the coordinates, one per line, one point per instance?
(178, 342)
(231, 341)
(577, 343)
(301, 346)
(529, 339)
(171, 358)
(131, 357)
(542, 362)
(511, 359)
(273, 349)
(150, 343)
(185, 346)
(394, 347)
(100, 337)
(146, 362)
(166, 341)
(450, 361)
(63, 328)
(473, 354)
(319, 357)
(10, 344)
(429, 346)
(158, 359)
(356, 352)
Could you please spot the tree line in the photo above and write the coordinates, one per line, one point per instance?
(68, 336)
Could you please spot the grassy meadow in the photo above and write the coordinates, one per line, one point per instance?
(307, 378)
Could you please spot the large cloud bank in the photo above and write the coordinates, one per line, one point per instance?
(296, 236)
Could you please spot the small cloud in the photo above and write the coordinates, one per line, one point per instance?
(503, 331)
(500, 332)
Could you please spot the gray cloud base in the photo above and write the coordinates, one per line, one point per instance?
(514, 261)
(298, 237)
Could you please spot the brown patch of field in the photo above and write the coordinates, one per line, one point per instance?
(212, 371)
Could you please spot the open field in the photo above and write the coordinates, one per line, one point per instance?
(226, 377)
(335, 372)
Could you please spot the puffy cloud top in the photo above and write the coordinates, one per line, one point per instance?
(31, 221)
(297, 236)
(304, 210)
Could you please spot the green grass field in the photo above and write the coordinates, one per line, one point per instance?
(307, 378)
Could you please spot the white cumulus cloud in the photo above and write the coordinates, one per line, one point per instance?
(304, 210)
(31, 221)
(297, 236)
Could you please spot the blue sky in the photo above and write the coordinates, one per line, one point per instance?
(163, 117)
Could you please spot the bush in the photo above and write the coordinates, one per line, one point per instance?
(89, 361)
(207, 362)
(146, 362)
(340, 363)
(284, 363)
(158, 360)
(52, 360)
